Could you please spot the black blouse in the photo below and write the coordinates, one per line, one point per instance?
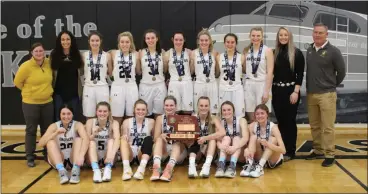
(282, 71)
(67, 80)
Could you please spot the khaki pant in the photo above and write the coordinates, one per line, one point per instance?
(322, 116)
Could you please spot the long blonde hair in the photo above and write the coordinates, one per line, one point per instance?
(110, 119)
(209, 116)
(205, 31)
(290, 46)
(130, 36)
(246, 49)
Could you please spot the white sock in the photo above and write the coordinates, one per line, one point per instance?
(157, 160)
(191, 161)
(262, 162)
(143, 163)
(126, 164)
(250, 161)
(172, 162)
(208, 160)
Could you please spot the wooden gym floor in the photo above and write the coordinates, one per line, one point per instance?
(348, 175)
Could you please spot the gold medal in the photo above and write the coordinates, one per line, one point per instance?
(153, 78)
(126, 80)
(180, 79)
(231, 82)
(208, 80)
(95, 81)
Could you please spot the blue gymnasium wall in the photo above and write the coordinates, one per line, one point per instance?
(21, 27)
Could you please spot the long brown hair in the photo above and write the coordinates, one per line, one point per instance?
(246, 49)
(139, 101)
(104, 103)
(290, 47)
(209, 116)
(262, 107)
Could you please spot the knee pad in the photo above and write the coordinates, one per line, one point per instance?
(147, 145)
(194, 148)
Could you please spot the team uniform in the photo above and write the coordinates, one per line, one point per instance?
(124, 89)
(266, 136)
(230, 84)
(255, 80)
(152, 88)
(205, 83)
(65, 142)
(181, 85)
(95, 87)
(136, 136)
(234, 129)
(101, 139)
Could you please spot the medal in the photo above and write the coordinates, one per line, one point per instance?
(255, 75)
(95, 81)
(153, 78)
(231, 82)
(126, 80)
(208, 80)
(180, 79)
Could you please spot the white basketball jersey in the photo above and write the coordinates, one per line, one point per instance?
(66, 139)
(147, 74)
(263, 135)
(262, 67)
(166, 128)
(122, 70)
(173, 66)
(136, 139)
(199, 68)
(102, 137)
(100, 72)
(226, 72)
(230, 128)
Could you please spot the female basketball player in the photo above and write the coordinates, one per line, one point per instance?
(237, 136)
(181, 85)
(67, 143)
(152, 88)
(210, 131)
(231, 65)
(136, 141)
(259, 72)
(265, 144)
(164, 147)
(97, 63)
(104, 141)
(204, 61)
(124, 89)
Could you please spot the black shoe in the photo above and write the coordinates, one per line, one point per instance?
(328, 162)
(31, 163)
(313, 156)
(288, 158)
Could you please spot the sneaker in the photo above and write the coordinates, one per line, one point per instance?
(205, 172)
(127, 174)
(328, 162)
(230, 171)
(246, 170)
(156, 173)
(97, 176)
(63, 175)
(31, 163)
(192, 171)
(220, 170)
(167, 174)
(257, 172)
(139, 174)
(313, 156)
(75, 177)
(106, 174)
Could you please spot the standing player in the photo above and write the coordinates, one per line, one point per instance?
(67, 143)
(152, 88)
(181, 85)
(265, 144)
(104, 141)
(204, 61)
(97, 63)
(136, 141)
(259, 73)
(237, 136)
(124, 89)
(231, 65)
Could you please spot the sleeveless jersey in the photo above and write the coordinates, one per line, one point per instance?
(226, 73)
(66, 139)
(263, 136)
(102, 137)
(229, 129)
(166, 128)
(173, 66)
(100, 72)
(121, 68)
(136, 139)
(199, 68)
(147, 73)
(262, 67)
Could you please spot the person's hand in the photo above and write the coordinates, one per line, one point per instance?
(265, 98)
(264, 142)
(231, 150)
(201, 140)
(61, 130)
(248, 154)
(164, 136)
(294, 98)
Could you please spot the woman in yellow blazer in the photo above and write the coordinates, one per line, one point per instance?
(34, 79)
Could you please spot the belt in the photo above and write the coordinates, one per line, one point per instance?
(282, 84)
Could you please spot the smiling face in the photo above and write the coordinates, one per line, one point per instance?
(66, 115)
(102, 113)
(38, 53)
(256, 37)
(227, 111)
(283, 37)
(140, 111)
(124, 44)
(261, 115)
(204, 41)
(169, 107)
(320, 35)
(66, 41)
(230, 43)
(178, 40)
(203, 107)
(95, 42)
(151, 39)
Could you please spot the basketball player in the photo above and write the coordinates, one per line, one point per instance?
(231, 65)
(259, 73)
(265, 144)
(210, 131)
(136, 141)
(97, 63)
(164, 147)
(204, 61)
(104, 141)
(152, 88)
(124, 89)
(67, 143)
(237, 136)
(181, 85)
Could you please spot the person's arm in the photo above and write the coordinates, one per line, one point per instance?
(339, 65)
(21, 76)
(85, 139)
(216, 62)
(51, 133)
(151, 123)
(112, 54)
(252, 139)
(242, 59)
(109, 64)
(124, 130)
(138, 67)
(220, 130)
(269, 76)
(245, 134)
(158, 127)
(191, 62)
(166, 58)
(280, 147)
(116, 137)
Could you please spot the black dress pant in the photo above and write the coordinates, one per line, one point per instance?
(285, 113)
